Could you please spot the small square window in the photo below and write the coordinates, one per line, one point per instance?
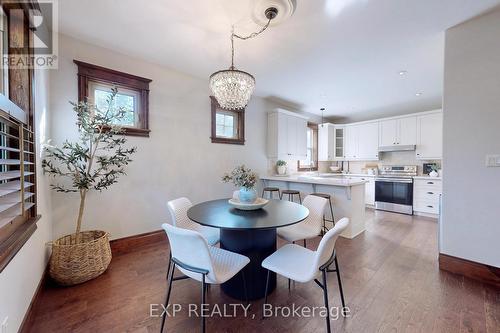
(227, 125)
(127, 99)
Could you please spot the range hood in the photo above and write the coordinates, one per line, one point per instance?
(396, 148)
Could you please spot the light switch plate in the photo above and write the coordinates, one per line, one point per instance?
(492, 161)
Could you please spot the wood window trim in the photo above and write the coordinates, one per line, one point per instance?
(19, 104)
(89, 72)
(314, 127)
(241, 125)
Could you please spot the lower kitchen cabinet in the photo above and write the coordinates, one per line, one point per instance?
(426, 193)
(369, 188)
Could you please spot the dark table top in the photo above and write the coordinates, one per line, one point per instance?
(220, 214)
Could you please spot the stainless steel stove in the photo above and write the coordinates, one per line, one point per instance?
(394, 188)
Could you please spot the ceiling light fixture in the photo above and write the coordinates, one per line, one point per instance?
(402, 73)
(231, 87)
(418, 94)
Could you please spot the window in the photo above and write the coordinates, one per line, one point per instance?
(95, 84)
(125, 98)
(18, 210)
(228, 126)
(311, 161)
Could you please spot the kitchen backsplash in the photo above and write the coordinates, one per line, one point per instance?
(386, 158)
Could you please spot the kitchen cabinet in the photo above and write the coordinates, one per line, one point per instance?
(369, 189)
(339, 143)
(326, 142)
(286, 135)
(361, 141)
(426, 193)
(407, 131)
(351, 142)
(430, 136)
(301, 143)
(399, 131)
(368, 141)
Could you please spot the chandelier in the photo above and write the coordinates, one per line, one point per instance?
(231, 87)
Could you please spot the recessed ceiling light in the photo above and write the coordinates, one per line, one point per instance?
(418, 94)
(402, 73)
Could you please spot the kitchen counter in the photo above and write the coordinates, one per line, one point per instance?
(331, 174)
(347, 196)
(319, 180)
(428, 178)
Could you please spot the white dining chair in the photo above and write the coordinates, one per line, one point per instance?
(303, 265)
(311, 226)
(194, 257)
(178, 213)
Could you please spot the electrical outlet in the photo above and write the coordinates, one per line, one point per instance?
(493, 161)
(5, 325)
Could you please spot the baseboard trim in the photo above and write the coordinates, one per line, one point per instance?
(128, 244)
(474, 270)
(28, 315)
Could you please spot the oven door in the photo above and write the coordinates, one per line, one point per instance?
(394, 195)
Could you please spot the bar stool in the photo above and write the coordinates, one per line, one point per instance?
(271, 191)
(291, 194)
(328, 197)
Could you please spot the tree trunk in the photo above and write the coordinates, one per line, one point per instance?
(83, 195)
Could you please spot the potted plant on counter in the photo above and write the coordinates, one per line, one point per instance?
(94, 162)
(281, 167)
(245, 179)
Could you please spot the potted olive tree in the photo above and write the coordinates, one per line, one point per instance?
(93, 163)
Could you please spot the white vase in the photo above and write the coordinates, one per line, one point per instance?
(281, 169)
(433, 174)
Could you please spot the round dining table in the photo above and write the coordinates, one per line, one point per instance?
(251, 233)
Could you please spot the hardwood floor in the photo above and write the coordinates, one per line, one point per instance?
(390, 276)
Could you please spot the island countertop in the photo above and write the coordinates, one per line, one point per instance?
(348, 194)
(319, 180)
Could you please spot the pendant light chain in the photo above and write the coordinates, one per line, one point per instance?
(252, 35)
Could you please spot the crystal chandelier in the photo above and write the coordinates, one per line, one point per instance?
(231, 87)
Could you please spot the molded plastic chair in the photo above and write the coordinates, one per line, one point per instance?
(303, 265)
(192, 255)
(178, 212)
(311, 226)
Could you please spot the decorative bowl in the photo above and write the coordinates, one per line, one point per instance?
(335, 168)
(257, 204)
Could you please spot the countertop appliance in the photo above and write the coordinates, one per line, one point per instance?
(394, 188)
(428, 167)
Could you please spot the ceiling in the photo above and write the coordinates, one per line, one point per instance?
(344, 55)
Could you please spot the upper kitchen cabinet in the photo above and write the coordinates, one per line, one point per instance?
(326, 142)
(430, 136)
(286, 135)
(398, 132)
(339, 143)
(362, 141)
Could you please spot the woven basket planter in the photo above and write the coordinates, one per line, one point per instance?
(73, 263)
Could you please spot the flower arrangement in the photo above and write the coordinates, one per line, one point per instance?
(241, 177)
(280, 163)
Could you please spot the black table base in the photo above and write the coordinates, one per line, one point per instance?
(256, 245)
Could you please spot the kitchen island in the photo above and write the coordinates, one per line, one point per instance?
(348, 196)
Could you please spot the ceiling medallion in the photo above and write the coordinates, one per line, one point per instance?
(231, 87)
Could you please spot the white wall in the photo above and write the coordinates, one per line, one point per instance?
(470, 225)
(177, 159)
(19, 280)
